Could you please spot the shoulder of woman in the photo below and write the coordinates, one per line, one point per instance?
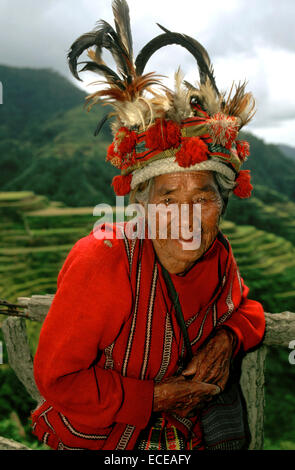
(106, 240)
(101, 251)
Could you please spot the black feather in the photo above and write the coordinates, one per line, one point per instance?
(94, 38)
(163, 28)
(108, 73)
(193, 46)
(101, 124)
(112, 42)
(195, 43)
(122, 23)
(104, 36)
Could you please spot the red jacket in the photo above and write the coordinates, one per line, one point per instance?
(111, 332)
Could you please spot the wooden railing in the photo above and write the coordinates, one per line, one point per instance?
(280, 331)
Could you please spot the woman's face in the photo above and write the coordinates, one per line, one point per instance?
(188, 188)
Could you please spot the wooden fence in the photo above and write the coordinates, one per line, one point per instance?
(280, 331)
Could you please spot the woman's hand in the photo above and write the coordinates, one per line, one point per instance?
(211, 364)
(181, 395)
(205, 376)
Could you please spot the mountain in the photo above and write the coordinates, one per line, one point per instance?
(287, 150)
(33, 96)
(270, 167)
(47, 143)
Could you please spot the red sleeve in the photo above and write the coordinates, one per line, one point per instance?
(247, 322)
(92, 301)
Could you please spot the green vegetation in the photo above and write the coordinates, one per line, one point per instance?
(31, 97)
(53, 173)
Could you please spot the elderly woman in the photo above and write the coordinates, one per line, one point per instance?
(142, 344)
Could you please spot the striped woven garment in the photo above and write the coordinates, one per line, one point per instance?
(135, 331)
(161, 435)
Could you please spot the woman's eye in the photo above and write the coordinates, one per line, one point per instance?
(200, 200)
(167, 201)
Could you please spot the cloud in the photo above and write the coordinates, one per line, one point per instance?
(267, 23)
(278, 134)
(246, 39)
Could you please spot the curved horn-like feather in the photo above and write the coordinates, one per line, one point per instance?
(94, 38)
(193, 46)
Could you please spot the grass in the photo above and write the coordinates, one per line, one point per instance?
(25, 250)
(15, 196)
(278, 445)
(53, 211)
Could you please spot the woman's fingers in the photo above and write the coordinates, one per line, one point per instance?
(201, 394)
(179, 392)
(203, 389)
(192, 367)
(211, 363)
(209, 372)
(196, 393)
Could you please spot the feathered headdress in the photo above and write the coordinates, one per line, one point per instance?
(157, 130)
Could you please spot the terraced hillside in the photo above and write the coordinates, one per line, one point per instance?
(36, 236)
(267, 263)
(267, 210)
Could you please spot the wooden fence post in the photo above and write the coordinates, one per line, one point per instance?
(19, 353)
(252, 383)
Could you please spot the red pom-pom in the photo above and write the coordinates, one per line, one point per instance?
(125, 141)
(163, 135)
(243, 149)
(122, 184)
(244, 187)
(193, 150)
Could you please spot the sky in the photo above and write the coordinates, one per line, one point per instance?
(251, 40)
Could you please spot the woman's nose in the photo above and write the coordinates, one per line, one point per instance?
(190, 216)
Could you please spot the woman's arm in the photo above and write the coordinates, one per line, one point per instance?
(92, 302)
(247, 322)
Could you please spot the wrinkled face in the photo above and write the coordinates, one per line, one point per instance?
(189, 188)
